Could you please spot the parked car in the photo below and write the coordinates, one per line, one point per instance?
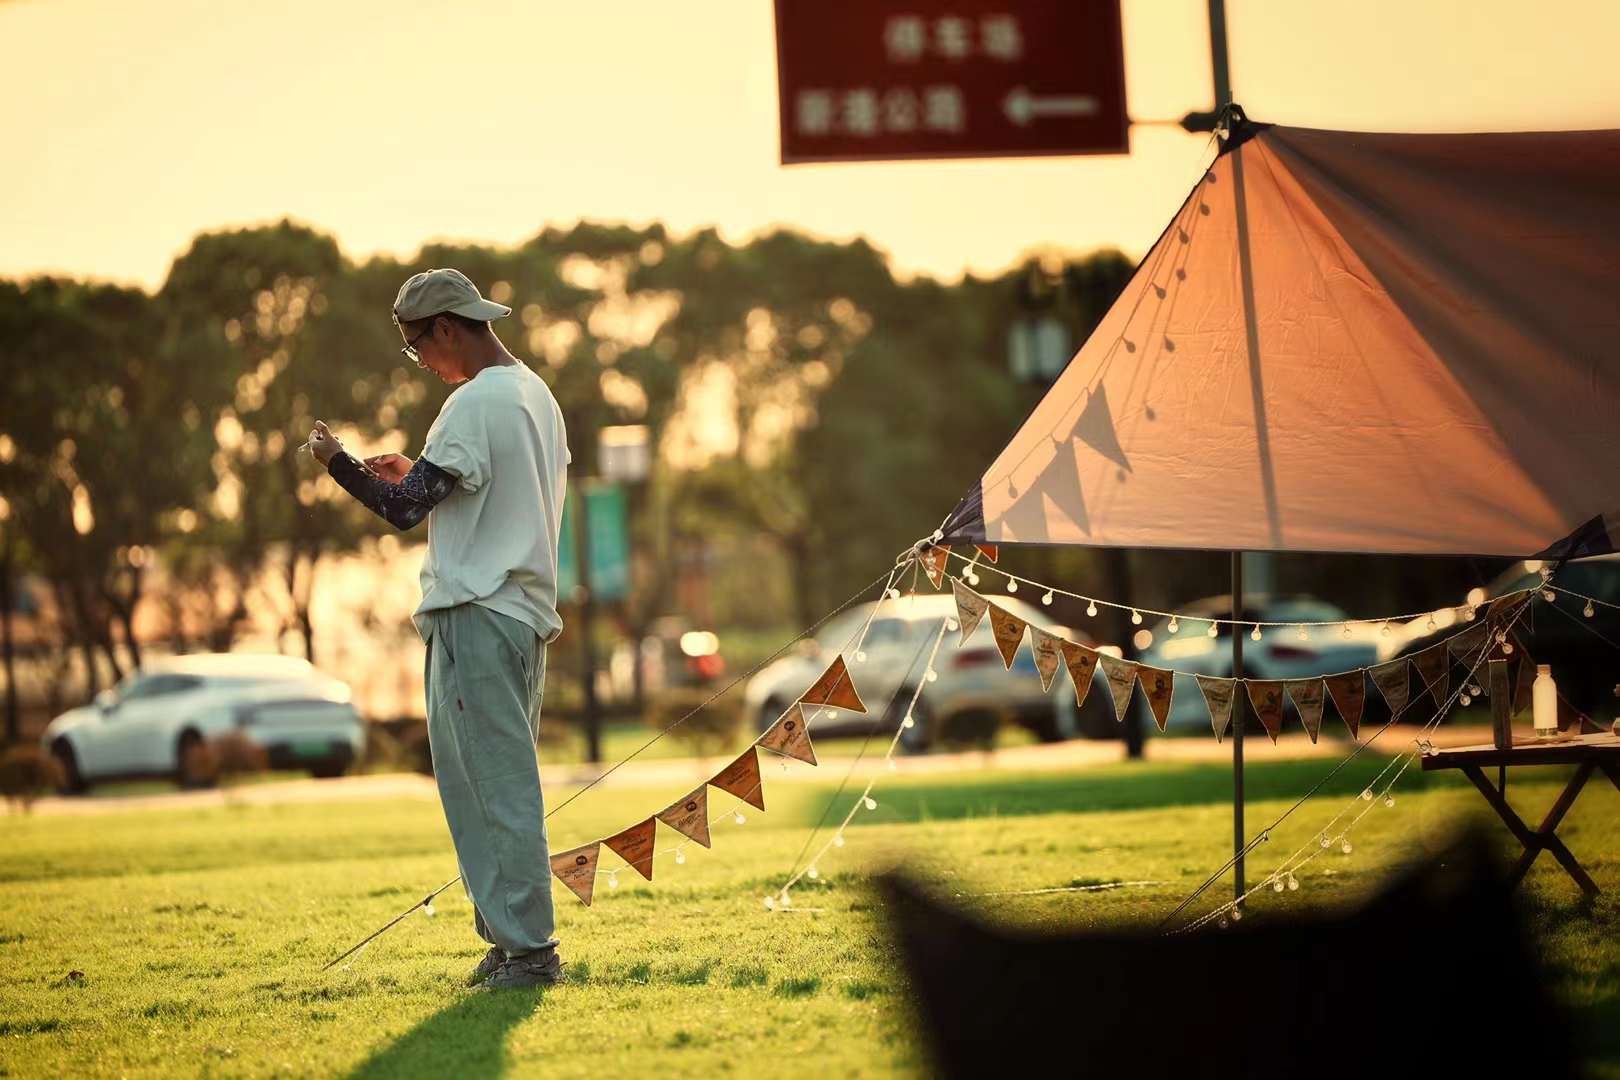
(1279, 654)
(1582, 661)
(972, 678)
(147, 724)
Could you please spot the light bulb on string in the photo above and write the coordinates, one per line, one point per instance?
(1345, 846)
(1389, 800)
(1325, 841)
(1222, 923)
(1277, 885)
(838, 841)
(951, 624)
(739, 819)
(1175, 624)
(894, 594)
(930, 675)
(1136, 618)
(1293, 882)
(1012, 584)
(1091, 608)
(1254, 635)
(1237, 914)
(1383, 631)
(1346, 629)
(908, 722)
(870, 803)
(1304, 634)
(1589, 610)
(770, 903)
(1507, 648)
(1047, 599)
(1464, 700)
(1213, 630)
(892, 766)
(427, 909)
(680, 856)
(860, 656)
(828, 714)
(1430, 624)
(812, 873)
(613, 881)
(787, 901)
(1367, 794)
(1549, 596)
(1476, 690)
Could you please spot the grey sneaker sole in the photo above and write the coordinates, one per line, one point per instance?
(489, 965)
(517, 975)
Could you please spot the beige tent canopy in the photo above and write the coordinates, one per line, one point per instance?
(1428, 360)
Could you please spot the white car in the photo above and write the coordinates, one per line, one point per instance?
(146, 724)
(973, 684)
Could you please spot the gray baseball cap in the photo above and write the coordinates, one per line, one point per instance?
(434, 292)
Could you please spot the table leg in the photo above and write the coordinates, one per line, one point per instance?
(1543, 838)
(1613, 773)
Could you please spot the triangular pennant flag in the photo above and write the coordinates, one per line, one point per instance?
(1466, 646)
(1218, 695)
(577, 869)
(933, 563)
(1121, 676)
(1081, 662)
(1308, 699)
(989, 551)
(835, 688)
(1159, 685)
(1394, 683)
(1266, 695)
(1349, 694)
(635, 846)
(970, 608)
(1009, 631)
(1434, 666)
(790, 735)
(1048, 654)
(741, 778)
(690, 816)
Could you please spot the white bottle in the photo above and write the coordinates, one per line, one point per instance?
(1544, 702)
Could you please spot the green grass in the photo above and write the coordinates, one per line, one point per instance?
(200, 934)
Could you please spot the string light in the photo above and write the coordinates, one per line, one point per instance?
(1589, 610)
(1345, 846)
(838, 841)
(1383, 631)
(1367, 795)
(1237, 914)
(1304, 634)
(951, 624)
(892, 766)
(908, 722)
(930, 675)
(1175, 624)
(1346, 629)
(1549, 596)
(1389, 800)
(1012, 585)
(860, 656)
(1254, 635)
(770, 903)
(870, 803)
(427, 908)
(812, 873)
(1136, 618)
(1091, 608)
(613, 879)
(1293, 882)
(1464, 699)
(739, 818)
(1430, 624)
(680, 856)
(1213, 630)
(1047, 599)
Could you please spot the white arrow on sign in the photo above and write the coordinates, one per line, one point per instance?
(1021, 106)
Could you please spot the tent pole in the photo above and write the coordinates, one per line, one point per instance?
(1238, 720)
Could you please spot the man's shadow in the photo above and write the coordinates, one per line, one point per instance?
(466, 1040)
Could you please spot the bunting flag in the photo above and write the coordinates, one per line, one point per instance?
(1081, 662)
(1218, 696)
(933, 562)
(790, 735)
(1048, 649)
(576, 869)
(635, 846)
(1009, 631)
(835, 688)
(1159, 685)
(989, 551)
(970, 608)
(1466, 645)
(1266, 695)
(1121, 676)
(1308, 699)
(1434, 667)
(741, 778)
(1393, 682)
(1349, 694)
(690, 816)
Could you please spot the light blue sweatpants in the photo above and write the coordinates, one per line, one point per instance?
(484, 677)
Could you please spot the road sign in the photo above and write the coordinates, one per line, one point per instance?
(863, 80)
(607, 539)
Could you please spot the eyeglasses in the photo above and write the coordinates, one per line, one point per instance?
(409, 348)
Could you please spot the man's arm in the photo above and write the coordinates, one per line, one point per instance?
(402, 505)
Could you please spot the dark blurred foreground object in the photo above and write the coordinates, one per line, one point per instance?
(1434, 976)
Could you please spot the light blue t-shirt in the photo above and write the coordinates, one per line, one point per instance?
(493, 540)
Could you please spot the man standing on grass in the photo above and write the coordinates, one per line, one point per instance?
(490, 483)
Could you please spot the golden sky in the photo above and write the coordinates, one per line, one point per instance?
(131, 126)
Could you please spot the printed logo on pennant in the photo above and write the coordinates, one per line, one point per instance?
(635, 846)
(790, 735)
(1009, 631)
(1266, 695)
(577, 870)
(1048, 654)
(970, 608)
(741, 778)
(690, 816)
(835, 688)
(1349, 694)
(933, 562)
(1121, 676)
(1158, 685)
(1081, 662)
(1218, 696)
(1308, 695)
(1394, 683)
(1434, 667)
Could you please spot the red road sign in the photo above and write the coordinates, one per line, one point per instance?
(863, 80)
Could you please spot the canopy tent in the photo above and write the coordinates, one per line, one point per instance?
(1346, 342)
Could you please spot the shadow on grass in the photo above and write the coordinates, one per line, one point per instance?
(1125, 787)
(466, 1040)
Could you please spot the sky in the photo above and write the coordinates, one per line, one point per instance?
(131, 127)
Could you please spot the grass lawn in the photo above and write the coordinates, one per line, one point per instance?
(200, 934)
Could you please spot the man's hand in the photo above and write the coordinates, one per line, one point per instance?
(323, 444)
(390, 467)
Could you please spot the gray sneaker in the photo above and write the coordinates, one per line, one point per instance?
(488, 966)
(542, 968)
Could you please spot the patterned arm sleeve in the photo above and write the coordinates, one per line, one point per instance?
(402, 505)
